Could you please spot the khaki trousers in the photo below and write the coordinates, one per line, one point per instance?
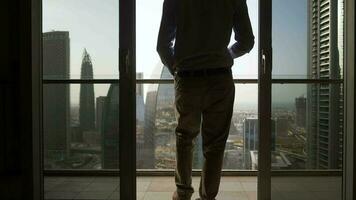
(203, 104)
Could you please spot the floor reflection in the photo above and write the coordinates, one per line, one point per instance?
(161, 188)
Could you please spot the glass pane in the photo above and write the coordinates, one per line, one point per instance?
(80, 122)
(246, 67)
(307, 40)
(72, 28)
(148, 16)
(80, 126)
(307, 135)
(80, 131)
(156, 122)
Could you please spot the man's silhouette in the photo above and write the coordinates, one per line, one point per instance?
(192, 43)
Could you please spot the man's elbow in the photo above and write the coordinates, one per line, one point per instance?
(249, 45)
(159, 49)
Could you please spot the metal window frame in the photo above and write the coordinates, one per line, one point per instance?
(196, 172)
(127, 98)
(37, 141)
(171, 81)
(349, 187)
(128, 82)
(264, 99)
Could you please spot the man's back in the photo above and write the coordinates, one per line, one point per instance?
(202, 31)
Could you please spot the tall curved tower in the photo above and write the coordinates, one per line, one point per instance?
(87, 101)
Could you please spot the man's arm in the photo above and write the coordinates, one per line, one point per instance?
(167, 33)
(244, 37)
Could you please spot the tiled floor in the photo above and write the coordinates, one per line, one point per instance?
(161, 188)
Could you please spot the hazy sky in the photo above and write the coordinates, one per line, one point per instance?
(93, 24)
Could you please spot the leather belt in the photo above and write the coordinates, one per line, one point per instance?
(203, 72)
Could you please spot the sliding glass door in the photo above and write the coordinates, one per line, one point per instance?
(103, 122)
(88, 99)
(304, 104)
(156, 120)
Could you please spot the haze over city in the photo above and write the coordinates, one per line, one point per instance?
(98, 33)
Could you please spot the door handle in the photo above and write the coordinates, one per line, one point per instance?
(266, 55)
(264, 61)
(124, 61)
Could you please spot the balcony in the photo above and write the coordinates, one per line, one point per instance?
(94, 145)
(161, 188)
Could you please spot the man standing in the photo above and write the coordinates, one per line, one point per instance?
(192, 43)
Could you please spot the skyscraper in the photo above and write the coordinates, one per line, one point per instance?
(300, 105)
(139, 87)
(110, 130)
(56, 97)
(87, 99)
(324, 121)
(250, 136)
(100, 103)
(164, 123)
(149, 130)
(140, 105)
(250, 139)
(140, 124)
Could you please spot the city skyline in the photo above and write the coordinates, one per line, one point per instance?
(77, 20)
(155, 102)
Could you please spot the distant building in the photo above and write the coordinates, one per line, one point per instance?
(165, 93)
(140, 105)
(149, 130)
(139, 87)
(301, 111)
(110, 129)
(87, 98)
(282, 126)
(100, 103)
(140, 124)
(250, 136)
(56, 113)
(325, 101)
(162, 122)
(278, 160)
(251, 141)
